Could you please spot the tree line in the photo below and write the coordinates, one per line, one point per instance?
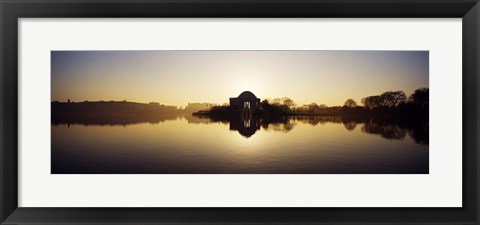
(389, 102)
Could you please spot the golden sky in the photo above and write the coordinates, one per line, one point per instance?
(180, 77)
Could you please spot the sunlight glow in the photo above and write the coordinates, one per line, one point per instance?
(182, 77)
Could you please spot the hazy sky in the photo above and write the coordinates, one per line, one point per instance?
(180, 77)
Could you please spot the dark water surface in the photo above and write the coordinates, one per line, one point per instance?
(180, 144)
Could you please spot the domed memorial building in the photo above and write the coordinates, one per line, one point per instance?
(245, 101)
(247, 104)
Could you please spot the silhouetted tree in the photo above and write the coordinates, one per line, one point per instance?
(419, 97)
(313, 108)
(275, 108)
(387, 99)
(350, 103)
(389, 103)
(288, 102)
(393, 98)
(372, 102)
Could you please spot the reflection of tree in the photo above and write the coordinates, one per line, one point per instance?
(393, 128)
(420, 134)
(314, 120)
(388, 131)
(350, 125)
(284, 126)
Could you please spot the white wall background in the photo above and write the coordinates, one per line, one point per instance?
(441, 188)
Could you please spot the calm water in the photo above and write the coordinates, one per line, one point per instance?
(191, 145)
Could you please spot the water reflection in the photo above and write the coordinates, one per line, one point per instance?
(176, 144)
(392, 128)
(113, 119)
(388, 129)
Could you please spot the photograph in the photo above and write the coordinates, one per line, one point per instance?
(239, 112)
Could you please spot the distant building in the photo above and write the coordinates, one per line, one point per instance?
(245, 101)
(195, 107)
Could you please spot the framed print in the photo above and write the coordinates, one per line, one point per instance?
(391, 115)
(321, 112)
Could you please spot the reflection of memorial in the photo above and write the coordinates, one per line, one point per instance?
(245, 126)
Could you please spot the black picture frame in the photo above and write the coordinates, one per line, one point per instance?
(11, 11)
